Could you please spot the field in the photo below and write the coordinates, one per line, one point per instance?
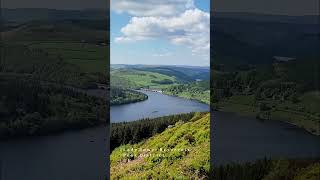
(90, 58)
(55, 53)
(141, 79)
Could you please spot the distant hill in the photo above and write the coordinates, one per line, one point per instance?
(31, 14)
(307, 19)
(242, 38)
(181, 73)
(71, 30)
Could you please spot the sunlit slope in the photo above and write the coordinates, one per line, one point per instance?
(187, 153)
(130, 78)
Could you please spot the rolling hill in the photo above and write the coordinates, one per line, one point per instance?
(245, 38)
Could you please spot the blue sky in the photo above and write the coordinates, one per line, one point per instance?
(166, 32)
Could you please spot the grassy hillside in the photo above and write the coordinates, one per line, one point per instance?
(91, 58)
(180, 152)
(64, 30)
(197, 90)
(183, 74)
(65, 53)
(131, 78)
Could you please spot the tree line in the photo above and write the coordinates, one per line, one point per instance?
(135, 131)
(124, 96)
(28, 107)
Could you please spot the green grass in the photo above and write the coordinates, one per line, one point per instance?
(202, 96)
(146, 160)
(311, 172)
(269, 169)
(60, 63)
(140, 79)
(311, 100)
(88, 57)
(196, 90)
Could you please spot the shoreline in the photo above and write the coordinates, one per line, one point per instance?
(52, 133)
(194, 99)
(250, 115)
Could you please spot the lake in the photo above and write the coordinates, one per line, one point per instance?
(81, 154)
(242, 139)
(156, 105)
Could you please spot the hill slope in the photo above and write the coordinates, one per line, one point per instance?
(182, 151)
(131, 78)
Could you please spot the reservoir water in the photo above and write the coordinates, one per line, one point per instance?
(242, 139)
(156, 105)
(81, 154)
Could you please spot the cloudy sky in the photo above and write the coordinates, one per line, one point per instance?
(166, 32)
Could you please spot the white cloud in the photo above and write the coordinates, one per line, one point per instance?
(151, 7)
(190, 28)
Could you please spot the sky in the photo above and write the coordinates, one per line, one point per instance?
(166, 32)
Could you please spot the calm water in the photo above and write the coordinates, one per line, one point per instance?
(82, 155)
(79, 155)
(156, 105)
(240, 139)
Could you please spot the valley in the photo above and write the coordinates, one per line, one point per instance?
(175, 81)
